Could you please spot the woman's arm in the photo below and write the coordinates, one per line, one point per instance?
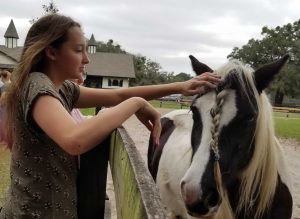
(90, 97)
(77, 139)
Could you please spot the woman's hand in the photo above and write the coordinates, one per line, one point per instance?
(200, 84)
(150, 117)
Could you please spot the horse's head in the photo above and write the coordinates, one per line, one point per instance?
(223, 134)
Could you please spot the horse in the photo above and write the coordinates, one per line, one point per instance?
(221, 159)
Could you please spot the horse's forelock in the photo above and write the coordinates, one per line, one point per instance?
(263, 167)
(235, 72)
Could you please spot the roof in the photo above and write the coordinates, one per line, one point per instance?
(111, 64)
(14, 53)
(92, 41)
(11, 31)
(6, 61)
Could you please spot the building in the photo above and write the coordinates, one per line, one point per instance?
(108, 70)
(10, 52)
(105, 70)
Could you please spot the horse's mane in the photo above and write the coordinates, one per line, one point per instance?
(258, 181)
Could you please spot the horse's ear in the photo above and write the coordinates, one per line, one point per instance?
(265, 74)
(199, 67)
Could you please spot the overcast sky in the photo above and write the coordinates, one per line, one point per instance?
(165, 31)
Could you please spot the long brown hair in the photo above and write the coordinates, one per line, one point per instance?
(49, 30)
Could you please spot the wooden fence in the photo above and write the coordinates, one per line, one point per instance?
(187, 102)
(286, 109)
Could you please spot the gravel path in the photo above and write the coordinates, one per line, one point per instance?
(140, 136)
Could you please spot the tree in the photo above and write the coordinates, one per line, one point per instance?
(51, 8)
(182, 77)
(148, 72)
(275, 43)
(110, 46)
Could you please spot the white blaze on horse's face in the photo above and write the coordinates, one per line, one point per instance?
(191, 183)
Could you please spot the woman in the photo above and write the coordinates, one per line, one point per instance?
(43, 137)
(76, 113)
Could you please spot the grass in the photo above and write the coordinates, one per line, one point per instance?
(167, 104)
(287, 125)
(4, 173)
(88, 111)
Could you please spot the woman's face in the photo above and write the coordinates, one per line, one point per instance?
(72, 57)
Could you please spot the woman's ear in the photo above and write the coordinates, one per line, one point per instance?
(50, 52)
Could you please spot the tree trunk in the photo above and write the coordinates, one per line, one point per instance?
(278, 98)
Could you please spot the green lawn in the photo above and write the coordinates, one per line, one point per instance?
(88, 111)
(287, 125)
(4, 173)
(167, 104)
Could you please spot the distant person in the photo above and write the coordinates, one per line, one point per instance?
(5, 82)
(76, 113)
(43, 137)
(2, 139)
(1, 82)
(5, 79)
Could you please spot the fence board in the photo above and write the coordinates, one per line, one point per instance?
(135, 191)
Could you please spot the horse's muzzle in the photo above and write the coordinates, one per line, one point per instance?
(201, 205)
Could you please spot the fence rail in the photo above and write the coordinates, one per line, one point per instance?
(286, 109)
(186, 103)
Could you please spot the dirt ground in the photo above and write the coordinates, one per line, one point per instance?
(140, 136)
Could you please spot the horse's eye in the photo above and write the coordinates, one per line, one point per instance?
(248, 118)
(251, 119)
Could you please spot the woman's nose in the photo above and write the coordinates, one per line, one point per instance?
(86, 59)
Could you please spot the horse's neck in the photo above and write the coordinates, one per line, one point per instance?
(282, 166)
(234, 188)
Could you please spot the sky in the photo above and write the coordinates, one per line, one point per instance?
(165, 31)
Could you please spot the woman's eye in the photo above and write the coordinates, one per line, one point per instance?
(79, 49)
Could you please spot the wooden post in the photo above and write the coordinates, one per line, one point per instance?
(91, 184)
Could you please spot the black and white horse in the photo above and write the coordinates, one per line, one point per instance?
(221, 159)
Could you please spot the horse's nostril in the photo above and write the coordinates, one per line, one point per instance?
(205, 207)
(182, 185)
(197, 208)
(183, 191)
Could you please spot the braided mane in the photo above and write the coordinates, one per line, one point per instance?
(263, 168)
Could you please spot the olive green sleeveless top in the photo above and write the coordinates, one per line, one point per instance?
(43, 176)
